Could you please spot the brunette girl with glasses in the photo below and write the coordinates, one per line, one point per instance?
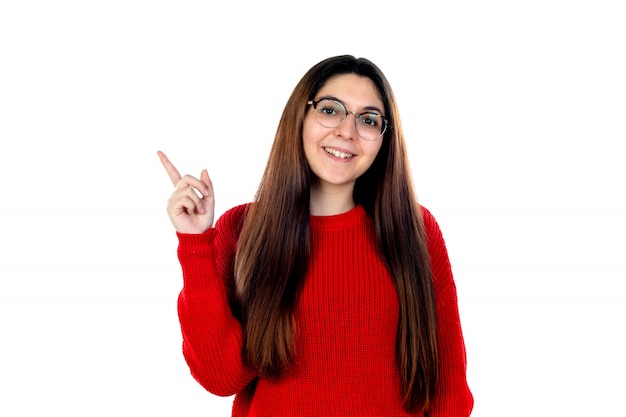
(332, 293)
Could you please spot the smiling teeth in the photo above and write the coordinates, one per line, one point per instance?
(338, 154)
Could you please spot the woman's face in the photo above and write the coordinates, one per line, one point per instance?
(338, 156)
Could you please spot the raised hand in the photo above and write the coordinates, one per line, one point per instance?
(191, 206)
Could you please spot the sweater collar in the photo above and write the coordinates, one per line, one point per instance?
(338, 221)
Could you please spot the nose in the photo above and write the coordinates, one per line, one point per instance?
(347, 128)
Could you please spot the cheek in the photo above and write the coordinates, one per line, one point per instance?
(310, 134)
(373, 148)
(372, 151)
(308, 142)
(309, 127)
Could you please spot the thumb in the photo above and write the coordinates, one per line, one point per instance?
(204, 177)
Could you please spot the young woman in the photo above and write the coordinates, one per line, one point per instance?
(332, 293)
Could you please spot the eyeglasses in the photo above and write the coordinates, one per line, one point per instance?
(331, 113)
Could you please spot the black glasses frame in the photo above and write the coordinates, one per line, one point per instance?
(357, 116)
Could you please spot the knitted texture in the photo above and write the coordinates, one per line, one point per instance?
(346, 320)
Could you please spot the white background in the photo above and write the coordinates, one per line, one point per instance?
(515, 117)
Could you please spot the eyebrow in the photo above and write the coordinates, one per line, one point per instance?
(367, 108)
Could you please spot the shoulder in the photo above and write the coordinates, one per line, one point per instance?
(433, 231)
(232, 219)
(228, 227)
(227, 230)
(438, 252)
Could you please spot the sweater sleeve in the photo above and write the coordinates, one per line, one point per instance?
(212, 334)
(453, 396)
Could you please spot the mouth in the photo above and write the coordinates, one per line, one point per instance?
(338, 154)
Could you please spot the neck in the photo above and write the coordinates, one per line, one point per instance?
(328, 201)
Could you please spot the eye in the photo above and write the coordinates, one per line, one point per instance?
(330, 108)
(370, 119)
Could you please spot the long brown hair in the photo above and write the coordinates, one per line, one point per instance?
(274, 244)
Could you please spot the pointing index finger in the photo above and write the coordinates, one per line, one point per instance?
(172, 172)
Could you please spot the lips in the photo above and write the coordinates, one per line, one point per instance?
(338, 154)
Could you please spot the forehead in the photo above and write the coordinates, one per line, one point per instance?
(356, 91)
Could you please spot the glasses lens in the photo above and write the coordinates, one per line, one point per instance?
(370, 126)
(330, 113)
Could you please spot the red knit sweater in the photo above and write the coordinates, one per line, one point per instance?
(346, 320)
